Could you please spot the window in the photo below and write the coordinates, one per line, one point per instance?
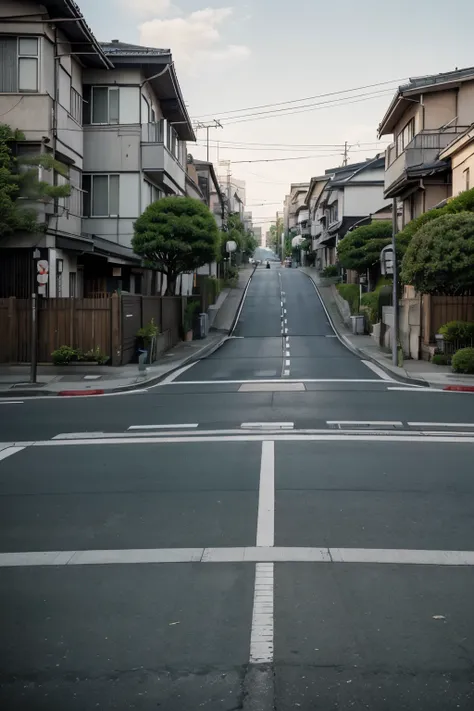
(333, 213)
(101, 195)
(467, 179)
(105, 104)
(76, 106)
(405, 136)
(19, 64)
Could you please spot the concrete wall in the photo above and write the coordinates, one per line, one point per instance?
(440, 107)
(111, 149)
(466, 104)
(460, 162)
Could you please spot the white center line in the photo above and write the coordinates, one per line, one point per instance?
(287, 362)
(287, 354)
(12, 402)
(266, 496)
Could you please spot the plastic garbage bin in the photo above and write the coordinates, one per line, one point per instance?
(358, 325)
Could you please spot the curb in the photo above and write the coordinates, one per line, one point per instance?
(204, 352)
(358, 351)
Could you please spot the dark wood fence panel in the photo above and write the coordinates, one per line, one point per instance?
(438, 310)
(172, 308)
(131, 323)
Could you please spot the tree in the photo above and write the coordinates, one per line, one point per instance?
(20, 186)
(276, 230)
(440, 256)
(461, 203)
(360, 249)
(176, 235)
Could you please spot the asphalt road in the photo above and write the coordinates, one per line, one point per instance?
(277, 527)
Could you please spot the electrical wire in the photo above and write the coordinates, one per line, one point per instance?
(306, 98)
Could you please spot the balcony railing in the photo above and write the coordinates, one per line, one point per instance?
(423, 150)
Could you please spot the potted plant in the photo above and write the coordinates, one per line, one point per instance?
(146, 339)
(188, 319)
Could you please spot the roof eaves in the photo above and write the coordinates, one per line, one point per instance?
(74, 11)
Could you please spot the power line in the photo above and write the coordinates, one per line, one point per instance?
(287, 150)
(301, 109)
(307, 98)
(295, 145)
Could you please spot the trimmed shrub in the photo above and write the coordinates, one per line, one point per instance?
(330, 271)
(463, 361)
(350, 293)
(461, 332)
(64, 355)
(441, 359)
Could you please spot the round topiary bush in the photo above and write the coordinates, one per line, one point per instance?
(463, 361)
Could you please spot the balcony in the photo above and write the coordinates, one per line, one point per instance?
(158, 162)
(420, 155)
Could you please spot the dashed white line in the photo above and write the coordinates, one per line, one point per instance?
(12, 402)
(267, 425)
(287, 362)
(440, 424)
(266, 496)
(395, 423)
(261, 635)
(286, 372)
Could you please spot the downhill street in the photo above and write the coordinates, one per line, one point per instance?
(278, 526)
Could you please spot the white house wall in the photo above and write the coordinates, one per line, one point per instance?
(362, 200)
(129, 105)
(111, 149)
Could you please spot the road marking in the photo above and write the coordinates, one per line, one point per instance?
(284, 311)
(272, 387)
(332, 335)
(325, 436)
(162, 427)
(4, 453)
(276, 380)
(286, 320)
(395, 423)
(244, 296)
(267, 425)
(440, 424)
(375, 368)
(286, 330)
(11, 402)
(287, 362)
(172, 376)
(92, 377)
(414, 388)
(286, 372)
(266, 497)
(254, 554)
(261, 635)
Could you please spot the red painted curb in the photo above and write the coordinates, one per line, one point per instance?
(460, 388)
(70, 393)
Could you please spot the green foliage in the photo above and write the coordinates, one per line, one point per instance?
(213, 288)
(232, 277)
(245, 239)
(276, 231)
(190, 311)
(441, 359)
(94, 355)
(370, 304)
(440, 256)
(464, 202)
(351, 294)
(19, 182)
(149, 332)
(463, 361)
(360, 249)
(305, 245)
(64, 355)
(461, 332)
(176, 235)
(331, 270)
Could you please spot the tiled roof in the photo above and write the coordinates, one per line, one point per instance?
(430, 79)
(135, 50)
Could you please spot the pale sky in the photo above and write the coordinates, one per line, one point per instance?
(267, 51)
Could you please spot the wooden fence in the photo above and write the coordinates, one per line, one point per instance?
(438, 310)
(108, 322)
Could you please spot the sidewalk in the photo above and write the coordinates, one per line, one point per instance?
(99, 380)
(419, 372)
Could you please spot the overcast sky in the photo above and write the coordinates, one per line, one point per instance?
(268, 51)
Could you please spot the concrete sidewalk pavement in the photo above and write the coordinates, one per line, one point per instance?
(419, 372)
(98, 380)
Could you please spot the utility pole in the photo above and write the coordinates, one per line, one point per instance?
(211, 124)
(395, 283)
(346, 153)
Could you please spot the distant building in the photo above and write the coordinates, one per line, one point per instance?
(258, 234)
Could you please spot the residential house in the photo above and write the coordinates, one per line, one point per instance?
(461, 154)
(210, 187)
(315, 211)
(258, 234)
(294, 202)
(135, 130)
(424, 117)
(41, 93)
(350, 196)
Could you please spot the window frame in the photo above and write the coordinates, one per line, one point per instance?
(109, 89)
(90, 195)
(28, 56)
(467, 178)
(76, 102)
(401, 140)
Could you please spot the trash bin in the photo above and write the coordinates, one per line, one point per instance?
(358, 324)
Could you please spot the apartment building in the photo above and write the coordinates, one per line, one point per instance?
(424, 117)
(349, 197)
(294, 202)
(114, 114)
(41, 71)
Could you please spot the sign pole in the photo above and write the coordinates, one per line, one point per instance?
(395, 283)
(34, 337)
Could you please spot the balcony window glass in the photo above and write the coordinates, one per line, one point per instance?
(405, 136)
(105, 104)
(101, 195)
(19, 64)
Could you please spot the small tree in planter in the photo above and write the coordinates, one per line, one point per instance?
(190, 311)
(147, 338)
